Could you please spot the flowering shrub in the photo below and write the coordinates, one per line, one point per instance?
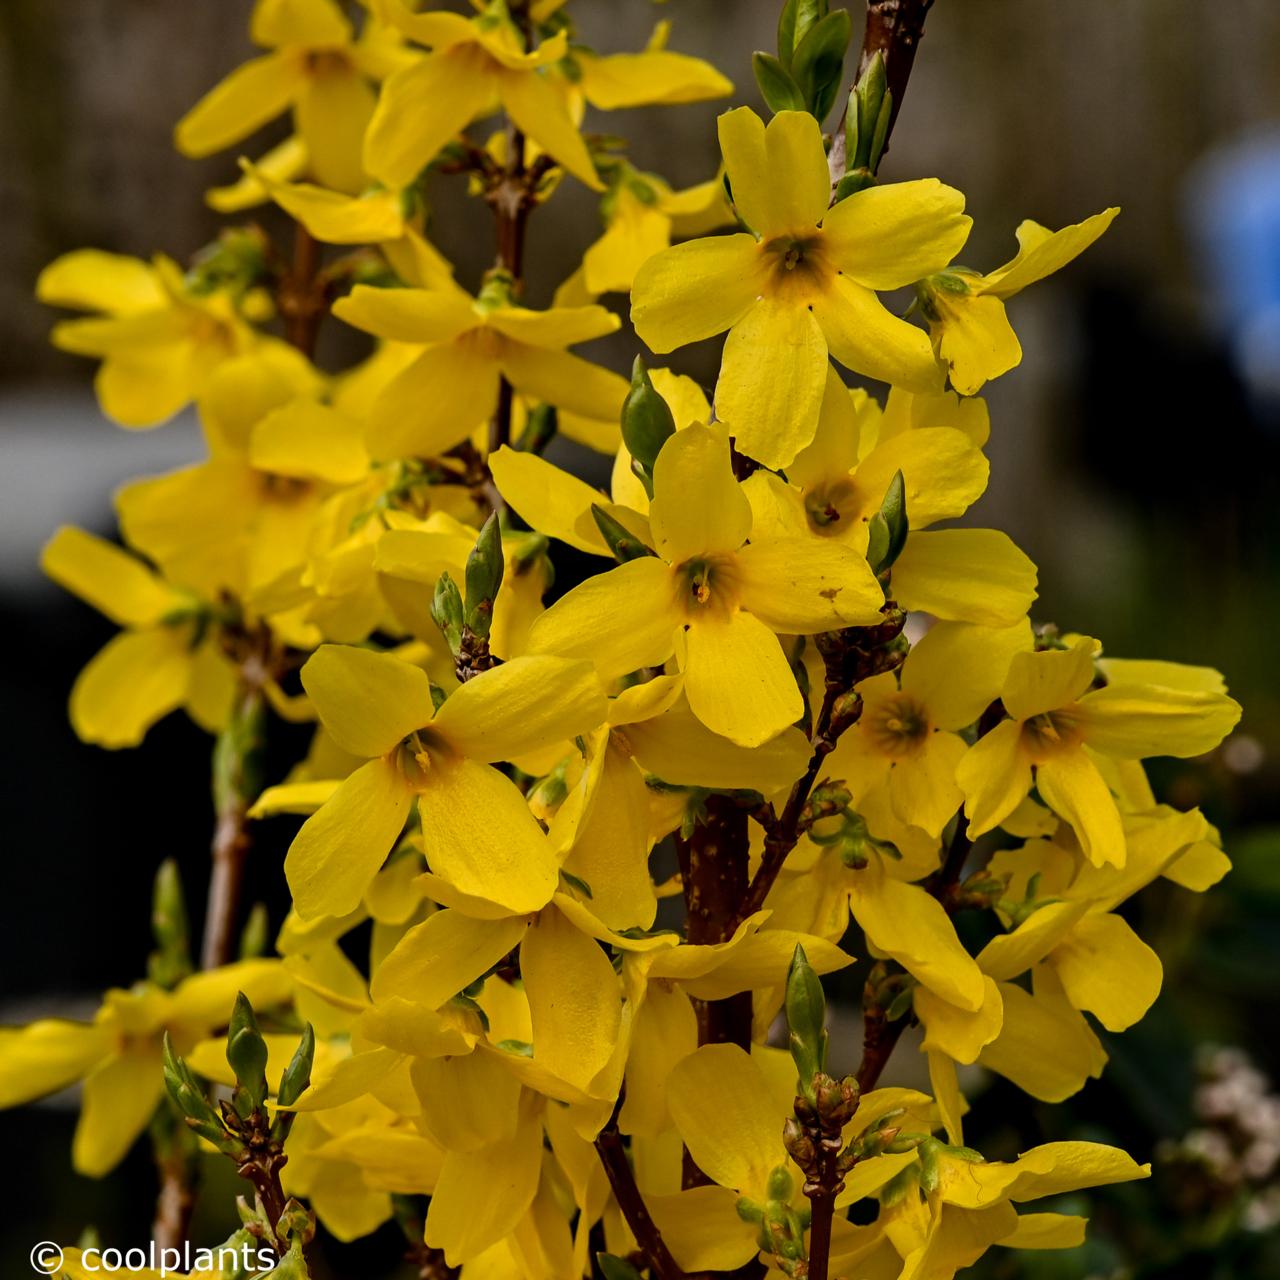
(488, 1015)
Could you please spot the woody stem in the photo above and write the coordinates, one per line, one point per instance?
(894, 30)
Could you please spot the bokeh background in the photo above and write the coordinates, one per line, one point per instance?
(1133, 452)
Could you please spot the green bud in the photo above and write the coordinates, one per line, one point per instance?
(171, 961)
(247, 1057)
(779, 90)
(293, 1266)
(446, 612)
(238, 755)
(867, 120)
(484, 577)
(749, 1210)
(539, 429)
(780, 1184)
(615, 1268)
(297, 1075)
(256, 933)
(622, 542)
(647, 423)
(902, 1003)
(806, 1007)
(888, 527)
(495, 290)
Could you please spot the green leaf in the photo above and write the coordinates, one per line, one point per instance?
(888, 527)
(818, 65)
(615, 1268)
(780, 91)
(794, 22)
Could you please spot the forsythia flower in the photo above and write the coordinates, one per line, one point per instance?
(161, 661)
(468, 345)
(318, 68)
(720, 603)
(381, 709)
(118, 1054)
(800, 285)
(158, 342)
(965, 311)
(473, 64)
(1056, 730)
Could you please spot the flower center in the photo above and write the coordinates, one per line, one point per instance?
(1050, 734)
(707, 584)
(796, 264)
(831, 508)
(897, 726)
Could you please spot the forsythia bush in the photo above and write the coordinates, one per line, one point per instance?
(488, 1013)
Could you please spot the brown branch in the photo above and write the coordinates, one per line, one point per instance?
(850, 656)
(303, 295)
(176, 1200)
(236, 783)
(622, 1179)
(894, 29)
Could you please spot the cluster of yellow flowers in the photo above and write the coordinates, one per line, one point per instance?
(780, 666)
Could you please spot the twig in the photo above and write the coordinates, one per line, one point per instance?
(623, 1181)
(894, 30)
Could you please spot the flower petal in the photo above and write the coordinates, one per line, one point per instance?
(1070, 784)
(107, 577)
(255, 92)
(738, 680)
(622, 620)
(520, 707)
(865, 336)
(698, 507)
(888, 236)
(727, 1116)
(800, 586)
(995, 777)
(695, 290)
(341, 846)
(368, 701)
(1107, 970)
(965, 575)
(135, 679)
(479, 835)
(772, 375)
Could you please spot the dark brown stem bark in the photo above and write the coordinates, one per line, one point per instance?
(303, 295)
(894, 28)
(623, 1181)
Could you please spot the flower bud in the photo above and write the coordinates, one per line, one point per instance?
(446, 612)
(647, 423)
(806, 1007)
(247, 1057)
(622, 542)
(171, 961)
(484, 577)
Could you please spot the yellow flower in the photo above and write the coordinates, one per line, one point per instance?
(478, 833)
(907, 738)
(468, 345)
(801, 285)
(237, 521)
(642, 215)
(319, 69)
(473, 65)
(158, 342)
(838, 481)
(713, 597)
(1056, 730)
(118, 1055)
(970, 331)
(163, 660)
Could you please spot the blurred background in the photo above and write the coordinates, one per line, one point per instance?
(1133, 457)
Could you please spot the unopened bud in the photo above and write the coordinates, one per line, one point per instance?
(446, 612)
(247, 1057)
(806, 1007)
(647, 422)
(483, 578)
(622, 542)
